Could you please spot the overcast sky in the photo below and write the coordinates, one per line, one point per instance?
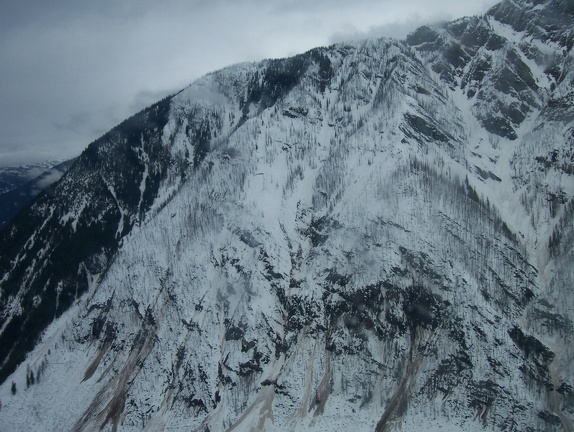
(71, 70)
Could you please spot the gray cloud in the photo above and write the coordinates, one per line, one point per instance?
(395, 30)
(72, 70)
(145, 98)
(398, 18)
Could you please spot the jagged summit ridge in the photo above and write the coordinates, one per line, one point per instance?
(370, 235)
(509, 62)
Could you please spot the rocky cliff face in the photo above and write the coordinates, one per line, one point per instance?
(372, 235)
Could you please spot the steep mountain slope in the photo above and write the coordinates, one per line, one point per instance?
(373, 235)
(57, 246)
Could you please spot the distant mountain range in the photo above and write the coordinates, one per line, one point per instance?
(19, 185)
(14, 177)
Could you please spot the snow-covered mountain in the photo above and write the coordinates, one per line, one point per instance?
(371, 236)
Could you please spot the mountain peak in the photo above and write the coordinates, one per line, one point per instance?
(549, 21)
